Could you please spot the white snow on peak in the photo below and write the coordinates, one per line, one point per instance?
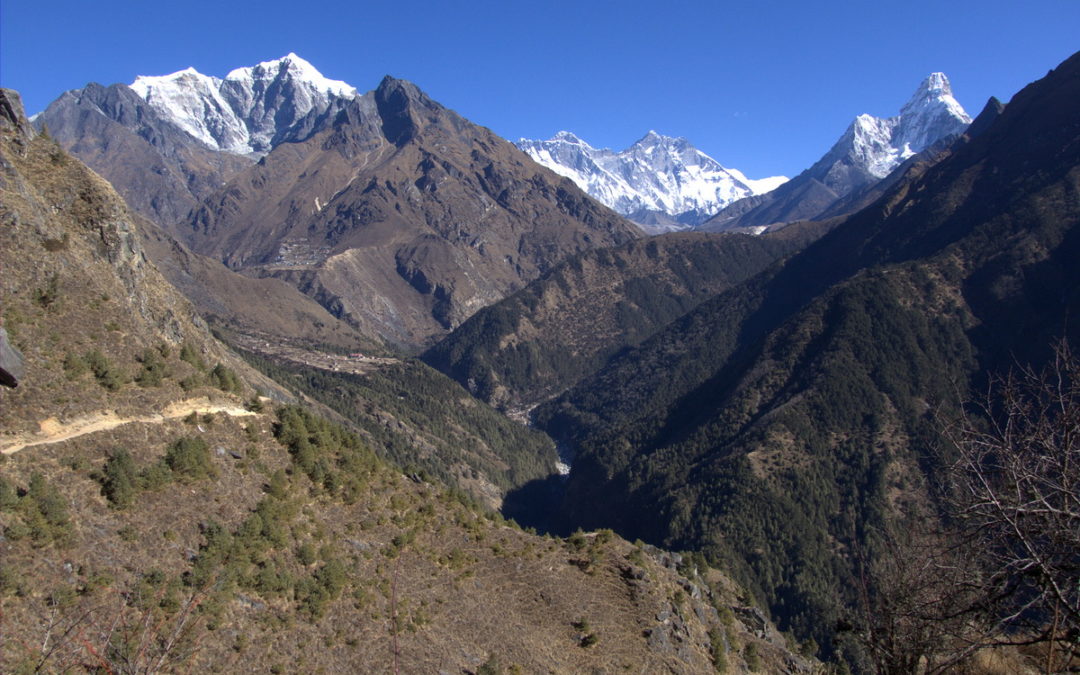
(298, 68)
(567, 136)
(879, 145)
(760, 185)
(194, 103)
(242, 113)
(656, 174)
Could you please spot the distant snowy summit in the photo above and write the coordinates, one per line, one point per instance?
(869, 150)
(663, 183)
(247, 111)
(879, 145)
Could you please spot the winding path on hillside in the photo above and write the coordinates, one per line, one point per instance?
(54, 431)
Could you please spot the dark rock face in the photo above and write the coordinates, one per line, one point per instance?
(393, 98)
(13, 116)
(990, 112)
(12, 367)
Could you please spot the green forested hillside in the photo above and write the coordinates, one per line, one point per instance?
(568, 324)
(777, 423)
(423, 421)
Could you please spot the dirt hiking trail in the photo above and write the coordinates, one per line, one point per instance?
(53, 431)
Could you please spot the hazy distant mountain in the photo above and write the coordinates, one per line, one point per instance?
(660, 182)
(870, 149)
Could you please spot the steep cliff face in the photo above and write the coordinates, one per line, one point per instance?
(53, 197)
(401, 217)
(80, 294)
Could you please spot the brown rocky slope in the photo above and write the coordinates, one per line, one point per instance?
(401, 217)
(235, 540)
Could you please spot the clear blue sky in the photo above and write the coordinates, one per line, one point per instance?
(765, 87)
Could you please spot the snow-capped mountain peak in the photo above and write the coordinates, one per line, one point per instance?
(565, 136)
(245, 112)
(878, 145)
(869, 150)
(932, 112)
(143, 84)
(653, 138)
(936, 86)
(296, 68)
(194, 103)
(664, 182)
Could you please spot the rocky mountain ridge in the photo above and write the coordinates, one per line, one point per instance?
(394, 213)
(779, 422)
(564, 326)
(251, 110)
(166, 142)
(400, 216)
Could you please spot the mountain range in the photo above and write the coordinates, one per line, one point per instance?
(869, 150)
(166, 508)
(784, 421)
(661, 183)
(250, 111)
(394, 213)
(770, 397)
(665, 184)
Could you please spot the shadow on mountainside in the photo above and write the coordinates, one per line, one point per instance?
(536, 504)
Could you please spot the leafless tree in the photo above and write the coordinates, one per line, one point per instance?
(1015, 485)
(111, 633)
(1001, 566)
(921, 602)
